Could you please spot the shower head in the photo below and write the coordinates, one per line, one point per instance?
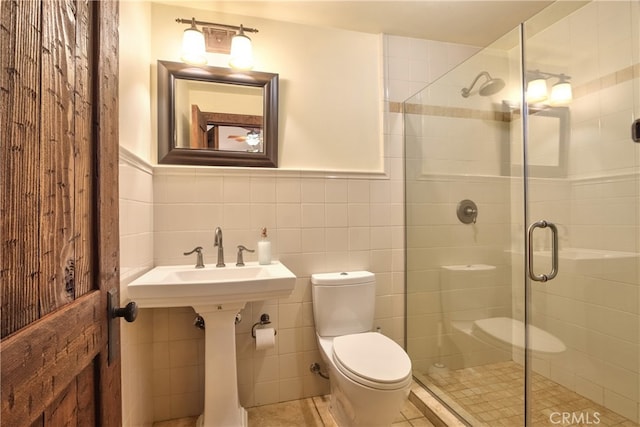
(489, 87)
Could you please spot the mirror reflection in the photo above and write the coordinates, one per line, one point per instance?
(218, 116)
(212, 116)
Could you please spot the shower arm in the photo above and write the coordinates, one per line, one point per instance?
(466, 91)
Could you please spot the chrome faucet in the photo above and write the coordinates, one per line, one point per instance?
(199, 259)
(240, 260)
(218, 242)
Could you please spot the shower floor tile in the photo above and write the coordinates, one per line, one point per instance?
(491, 395)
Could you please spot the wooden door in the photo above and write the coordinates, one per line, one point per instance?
(59, 211)
(198, 128)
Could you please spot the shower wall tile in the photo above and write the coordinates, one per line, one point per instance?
(621, 404)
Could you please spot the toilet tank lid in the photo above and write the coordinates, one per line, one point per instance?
(342, 278)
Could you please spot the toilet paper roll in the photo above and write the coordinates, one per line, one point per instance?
(265, 338)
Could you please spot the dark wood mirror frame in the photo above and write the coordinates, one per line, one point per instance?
(170, 153)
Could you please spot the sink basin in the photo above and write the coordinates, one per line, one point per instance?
(217, 295)
(185, 285)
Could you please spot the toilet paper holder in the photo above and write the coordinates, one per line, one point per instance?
(264, 320)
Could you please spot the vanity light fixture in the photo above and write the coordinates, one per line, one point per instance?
(193, 46)
(537, 89)
(220, 38)
(241, 51)
(561, 92)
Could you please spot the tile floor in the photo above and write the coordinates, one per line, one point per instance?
(491, 395)
(311, 412)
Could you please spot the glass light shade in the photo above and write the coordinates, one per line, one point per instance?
(193, 48)
(561, 93)
(536, 90)
(241, 52)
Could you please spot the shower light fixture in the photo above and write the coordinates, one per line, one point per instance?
(561, 92)
(537, 91)
(219, 38)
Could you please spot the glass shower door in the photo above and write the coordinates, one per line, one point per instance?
(464, 244)
(523, 224)
(583, 211)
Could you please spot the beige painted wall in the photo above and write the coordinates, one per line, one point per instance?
(330, 97)
(134, 83)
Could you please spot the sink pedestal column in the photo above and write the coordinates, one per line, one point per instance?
(221, 403)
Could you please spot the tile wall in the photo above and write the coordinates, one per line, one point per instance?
(136, 256)
(315, 225)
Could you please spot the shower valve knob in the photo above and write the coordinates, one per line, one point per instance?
(467, 211)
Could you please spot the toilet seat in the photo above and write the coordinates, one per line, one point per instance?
(373, 360)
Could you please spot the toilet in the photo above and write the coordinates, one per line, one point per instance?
(478, 311)
(370, 374)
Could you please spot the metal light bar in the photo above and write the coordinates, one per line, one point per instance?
(543, 74)
(213, 24)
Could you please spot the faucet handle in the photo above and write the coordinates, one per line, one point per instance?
(240, 261)
(199, 258)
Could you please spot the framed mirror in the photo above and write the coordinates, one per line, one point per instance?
(213, 116)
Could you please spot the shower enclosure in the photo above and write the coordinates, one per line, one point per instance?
(523, 224)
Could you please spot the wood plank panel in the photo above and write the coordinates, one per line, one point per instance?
(19, 136)
(63, 412)
(83, 152)
(56, 154)
(75, 406)
(64, 353)
(87, 398)
(42, 360)
(107, 192)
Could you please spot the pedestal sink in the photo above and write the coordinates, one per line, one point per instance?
(217, 294)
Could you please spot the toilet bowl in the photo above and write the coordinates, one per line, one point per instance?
(504, 331)
(479, 316)
(370, 374)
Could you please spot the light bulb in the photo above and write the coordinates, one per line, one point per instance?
(193, 47)
(536, 90)
(241, 52)
(561, 93)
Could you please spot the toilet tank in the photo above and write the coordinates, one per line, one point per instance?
(343, 303)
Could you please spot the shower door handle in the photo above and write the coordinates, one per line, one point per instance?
(554, 251)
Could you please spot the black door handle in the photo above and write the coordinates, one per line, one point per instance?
(129, 312)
